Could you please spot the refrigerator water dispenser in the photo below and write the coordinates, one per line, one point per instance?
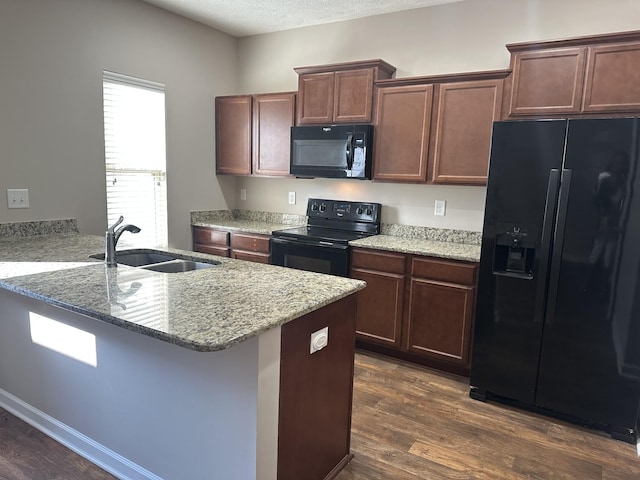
(515, 250)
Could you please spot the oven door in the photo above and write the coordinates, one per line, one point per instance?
(322, 258)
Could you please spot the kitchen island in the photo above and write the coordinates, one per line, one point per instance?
(201, 374)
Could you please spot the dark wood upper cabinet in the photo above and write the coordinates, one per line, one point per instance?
(547, 82)
(233, 135)
(401, 133)
(613, 78)
(463, 119)
(436, 129)
(339, 93)
(273, 116)
(598, 74)
(253, 134)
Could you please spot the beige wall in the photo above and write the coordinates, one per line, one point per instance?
(52, 54)
(457, 37)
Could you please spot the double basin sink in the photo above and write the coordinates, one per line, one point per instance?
(157, 260)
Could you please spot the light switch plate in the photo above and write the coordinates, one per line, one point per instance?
(440, 208)
(17, 198)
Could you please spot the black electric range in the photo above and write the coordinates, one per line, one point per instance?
(323, 244)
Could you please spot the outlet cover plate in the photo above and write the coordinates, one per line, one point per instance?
(319, 340)
(17, 198)
(292, 198)
(440, 208)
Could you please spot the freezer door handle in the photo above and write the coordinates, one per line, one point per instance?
(545, 245)
(558, 241)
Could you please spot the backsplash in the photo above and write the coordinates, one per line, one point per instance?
(251, 215)
(41, 227)
(407, 231)
(430, 233)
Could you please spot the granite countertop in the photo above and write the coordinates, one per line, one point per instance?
(204, 310)
(420, 246)
(442, 243)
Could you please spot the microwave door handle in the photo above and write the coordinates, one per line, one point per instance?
(349, 151)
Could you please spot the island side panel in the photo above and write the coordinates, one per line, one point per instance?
(156, 410)
(316, 392)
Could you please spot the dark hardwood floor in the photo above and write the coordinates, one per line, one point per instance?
(409, 423)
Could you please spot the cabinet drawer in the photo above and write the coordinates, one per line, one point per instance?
(251, 243)
(252, 256)
(444, 271)
(380, 261)
(211, 250)
(209, 236)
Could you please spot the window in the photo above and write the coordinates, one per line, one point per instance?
(135, 156)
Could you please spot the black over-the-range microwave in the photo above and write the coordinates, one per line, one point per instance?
(332, 151)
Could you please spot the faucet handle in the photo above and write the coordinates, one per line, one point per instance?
(112, 228)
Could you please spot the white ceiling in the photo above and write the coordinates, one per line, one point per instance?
(241, 18)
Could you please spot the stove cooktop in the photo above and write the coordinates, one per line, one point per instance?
(321, 234)
(336, 221)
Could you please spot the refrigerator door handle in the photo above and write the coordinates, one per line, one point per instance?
(545, 245)
(558, 241)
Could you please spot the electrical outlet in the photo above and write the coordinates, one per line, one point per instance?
(319, 340)
(243, 194)
(17, 198)
(292, 198)
(440, 208)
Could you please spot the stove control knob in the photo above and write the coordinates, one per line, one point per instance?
(369, 211)
(323, 207)
(359, 210)
(314, 207)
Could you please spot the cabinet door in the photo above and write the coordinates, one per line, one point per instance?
(380, 307)
(233, 135)
(439, 320)
(353, 96)
(273, 116)
(547, 82)
(461, 136)
(401, 137)
(613, 78)
(315, 102)
(380, 304)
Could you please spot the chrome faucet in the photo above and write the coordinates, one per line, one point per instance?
(111, 238)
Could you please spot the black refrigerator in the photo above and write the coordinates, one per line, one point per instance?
(557, 324)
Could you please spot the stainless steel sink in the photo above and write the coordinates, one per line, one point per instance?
(157, 260)
(178, 265)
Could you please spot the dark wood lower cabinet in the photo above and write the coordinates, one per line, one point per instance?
(316, 392)
(439, 320)
(416, 308)
(381, 304)
(242, 246)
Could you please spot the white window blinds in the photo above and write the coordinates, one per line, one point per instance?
(135, 156)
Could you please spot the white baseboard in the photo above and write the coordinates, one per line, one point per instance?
(84, 446)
